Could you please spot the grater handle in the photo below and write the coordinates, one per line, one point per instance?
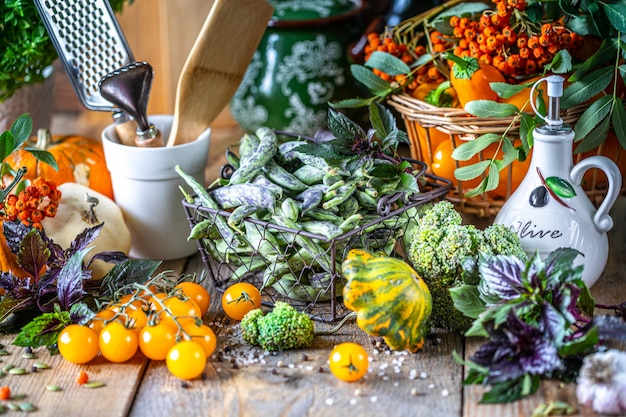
(129, 88)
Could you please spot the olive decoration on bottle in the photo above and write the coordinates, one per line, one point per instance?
(539, 197)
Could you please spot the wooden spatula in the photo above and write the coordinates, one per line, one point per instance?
(216, 64)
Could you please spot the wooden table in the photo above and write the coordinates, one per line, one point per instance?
(244, 381)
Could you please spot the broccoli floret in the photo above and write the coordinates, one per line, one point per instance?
(282, 328)
(439, 246)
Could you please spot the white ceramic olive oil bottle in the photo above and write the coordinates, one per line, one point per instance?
(549, 209)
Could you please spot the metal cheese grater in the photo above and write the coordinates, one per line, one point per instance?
(90, 44)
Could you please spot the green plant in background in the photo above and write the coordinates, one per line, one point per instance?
(26, 49)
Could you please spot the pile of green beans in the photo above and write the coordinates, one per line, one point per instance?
(289, 216)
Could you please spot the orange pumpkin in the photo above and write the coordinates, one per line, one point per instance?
(80, 160)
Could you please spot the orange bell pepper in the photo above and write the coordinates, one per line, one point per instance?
(471, 77)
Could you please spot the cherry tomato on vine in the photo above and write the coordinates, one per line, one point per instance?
(117, 342)
(98, 321)
(239, 299)
(186, 311)
(186, 360)
(348, 361)
(156, 340)
(197, 293)
(78, 344)
(202, 335)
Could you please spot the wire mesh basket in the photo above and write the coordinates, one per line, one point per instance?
(301, 267)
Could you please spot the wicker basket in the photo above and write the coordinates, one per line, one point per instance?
(421, 118)
(395, 214)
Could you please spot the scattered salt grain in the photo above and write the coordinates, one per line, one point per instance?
(445, 393)
(431, 386)
(423, 375)
(353, 401)
(358, 392)
(329, 401)
(373, 398)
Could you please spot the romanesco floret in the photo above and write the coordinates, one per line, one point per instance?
(439, 245)
(282, 328)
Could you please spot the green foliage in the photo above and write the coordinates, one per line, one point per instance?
(282, 328)
(27, 51)
(439, 247)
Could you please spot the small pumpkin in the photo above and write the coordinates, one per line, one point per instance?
(81, 207)
(391, 300)
(80, 159)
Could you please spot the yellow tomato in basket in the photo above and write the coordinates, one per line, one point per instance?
(443, 165)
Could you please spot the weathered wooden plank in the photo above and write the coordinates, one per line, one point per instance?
(244, 381)
(610, 289)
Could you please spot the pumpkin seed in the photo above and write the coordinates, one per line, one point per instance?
(3, 408)
(28, 407)
(93, 384)
(4, 352)
(53, 388)
(28, 355)
(18, 397)
(13, 407)
(41, 365)
(7, 367)
(17, 371)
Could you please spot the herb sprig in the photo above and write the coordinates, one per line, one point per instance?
(537, 318)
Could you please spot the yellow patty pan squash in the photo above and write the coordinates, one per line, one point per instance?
(391, 300)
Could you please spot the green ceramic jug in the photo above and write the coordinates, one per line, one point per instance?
(300, 65)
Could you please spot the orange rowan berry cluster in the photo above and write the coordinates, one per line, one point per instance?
(514, 47)
(34, 203)
(427, 73)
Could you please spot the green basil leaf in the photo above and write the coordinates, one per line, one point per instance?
(560, 187)
(619, 122)
(21, 129)
(597, 60)
(7, 144)
(387, 63)
(352, 103)
(595, 137)
(467, 300)
(592, 116)
(469, 172)
(589, 86)
(561, 63)
(506, 90)
(616, 13)
(370, 80)
(493, 176)
(468, 149)
(489, 108)
(43, 156)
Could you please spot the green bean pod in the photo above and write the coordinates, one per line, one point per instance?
(310, 199)
(290, 209)
(206, 200)
(250, 167)
(349, 207)
(275, 189)
(327, 229)
(309, 174)
(343, 193)
(247, 147)
(232, 158)
(365, 200)
(236, 195)
(240, 213)
(284, 178)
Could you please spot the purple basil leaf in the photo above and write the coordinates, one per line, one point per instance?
(554, 324)
(33, 254)
(114, 257)
(500, 278)
(14, 232)
(70, 280)
(86, 237)
(81, 313)
(611, 328)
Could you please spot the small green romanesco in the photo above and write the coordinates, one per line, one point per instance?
(438, 247)
(282, 328)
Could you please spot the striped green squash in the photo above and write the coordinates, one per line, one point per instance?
(390, 299)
